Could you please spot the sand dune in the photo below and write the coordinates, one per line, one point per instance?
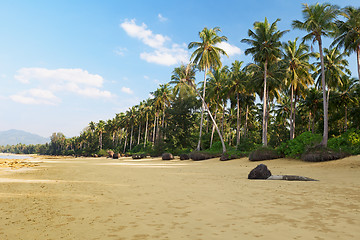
(99, 198)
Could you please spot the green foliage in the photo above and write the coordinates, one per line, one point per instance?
(298, 145)
(102, 153)
(246, 145)
(264, 153)
(347, 142)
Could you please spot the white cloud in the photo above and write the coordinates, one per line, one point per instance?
(127, 90)
(61, 75)
(161, 18)
(231, 50)
(161, 54)
(120, 51)
(146, 77)
(36, 96)
(77, 81)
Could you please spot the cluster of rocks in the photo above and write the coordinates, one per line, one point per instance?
(16, 164)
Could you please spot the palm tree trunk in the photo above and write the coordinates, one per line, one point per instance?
(345, 122)
(358, 60)
(138, 142)
(325, 102)
(163, 123)
(146, 128)
(291, 113)
(131, 135)
(154, 132)
(264, 130)
(246, 120)
(202, 111)
(238, 120)
(100, 139)
(125, 141)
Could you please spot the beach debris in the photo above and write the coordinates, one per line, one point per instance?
(260, 172)
(167, 156)
(138, 156)
(184, 156)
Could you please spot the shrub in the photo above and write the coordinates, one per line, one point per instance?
(102, 153)
(348, 142)
(298, 145)
(264, 153)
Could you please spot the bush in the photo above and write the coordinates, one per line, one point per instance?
(348, 142)
(264, 153)
(298, 145)
(102, 153)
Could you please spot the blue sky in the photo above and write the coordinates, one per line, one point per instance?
(66, 63)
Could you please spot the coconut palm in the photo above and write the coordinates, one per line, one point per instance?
(265, 48)
(348, 32)
(207, 56)
(236, 87)
(296, 61)
(100, 128)
(319, 22)
(191, 83)
(181, 89)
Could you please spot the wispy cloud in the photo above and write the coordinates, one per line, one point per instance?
(120, 51)
(127, 90)
(162, 18)
(36, 96)
(164, 51)
(77, 81)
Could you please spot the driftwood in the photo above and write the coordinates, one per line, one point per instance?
(290, 178)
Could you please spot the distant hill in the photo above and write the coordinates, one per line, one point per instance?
(13, 137)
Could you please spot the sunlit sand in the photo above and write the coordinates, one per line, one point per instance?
(100, 198)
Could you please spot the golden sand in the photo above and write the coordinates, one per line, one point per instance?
(99, 198)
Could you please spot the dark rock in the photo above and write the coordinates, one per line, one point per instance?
(260, 172)
(116, 156)
(110, 154)
(167, 156)
(225, 157)
(264, 154)
(197, 156)
(184, 157)
(322, 154)
(143, 155)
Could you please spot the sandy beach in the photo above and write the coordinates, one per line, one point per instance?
(125, 199)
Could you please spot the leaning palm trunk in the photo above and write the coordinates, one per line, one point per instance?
(325, 102)
(202, 112)
(213, 129)
(264, 124)
(212, 119)
(154, 132)
(138, 142)
(125, 141)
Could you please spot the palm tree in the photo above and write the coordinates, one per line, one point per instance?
(319, 21)
(100, 128)
(296, 61)
(236, 86)
(181, 89)
(189, 81)
(335, 69)
(265, 42)
(207, 56)
(348, 33)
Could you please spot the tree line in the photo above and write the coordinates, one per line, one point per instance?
(300, 90)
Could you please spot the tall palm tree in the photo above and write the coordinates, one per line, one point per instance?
(296, 61)
(181, 89)
(207, 56)
(265, 48)
(348, 32)
(236, 86)
(100, 128)
(319, 22)
(192, 84)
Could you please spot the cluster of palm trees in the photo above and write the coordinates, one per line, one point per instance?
(296, 93)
